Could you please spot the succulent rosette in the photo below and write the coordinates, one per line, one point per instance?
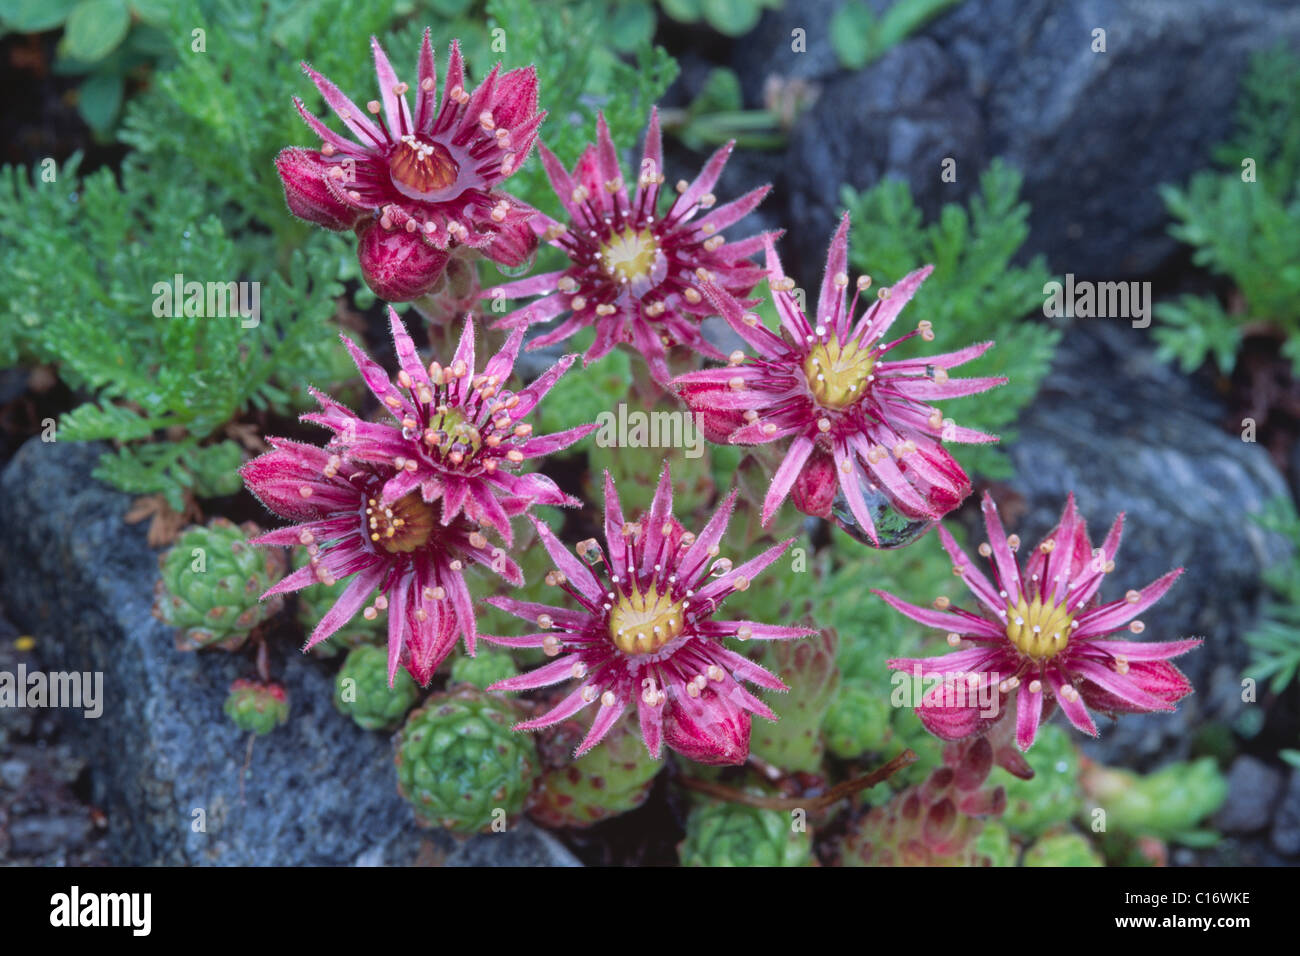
(417, 185)
(852, 417)
(633, 273)
(643, 633)
(1042, 638)
(459, 435)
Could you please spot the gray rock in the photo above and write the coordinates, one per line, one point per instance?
(1286, 823)
(1166, 84)
(317, 791)
(900, 118)
(1018, 78)
(529, 845)
(1127, 433)
(13, 773)
(1253, 789)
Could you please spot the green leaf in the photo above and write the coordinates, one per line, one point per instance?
(905, 17)
(853, 29)
(99, 100)
(732, 18)
(631, 25)
(156, 13)
(34, 16)
(216, 469)
(720, 93)
(94, 29)
(683, 11)
(450, 8)
(89, 422)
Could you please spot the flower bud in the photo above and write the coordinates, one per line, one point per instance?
(398, 265)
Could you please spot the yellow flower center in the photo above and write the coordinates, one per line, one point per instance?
(630, 254)
(450, 431)
(403, 526)
(1039, 630)
(422, 167)
(837, 376)
(643, 623)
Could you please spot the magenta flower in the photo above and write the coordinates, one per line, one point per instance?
(633, 273)
(1042, 637)
(643, 633)
(403, 550)
(427, 179)
(823, 384)
(459, 435)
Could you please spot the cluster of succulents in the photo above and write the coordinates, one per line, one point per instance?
(641, 657)
(934, 823)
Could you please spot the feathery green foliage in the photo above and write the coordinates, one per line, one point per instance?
(1244, 222)
(1275, 641)
(88, 257)
(974, 294)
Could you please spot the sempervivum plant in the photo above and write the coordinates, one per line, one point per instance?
(933, 823)
(210, 583)
(257, 706)
(731, 834)
(613, 778)
(854, 419)
(634, 271)
(417, 185)
(460, 766)
(1044, 637)
(644, 635)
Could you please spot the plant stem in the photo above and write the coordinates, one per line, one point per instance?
(834, 795)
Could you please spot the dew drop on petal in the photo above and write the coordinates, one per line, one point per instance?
(893, 528)
(525, 267)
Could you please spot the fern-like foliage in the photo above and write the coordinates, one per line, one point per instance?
(974, 294)
(1244, 223)
(198, 197)
(1275, 642)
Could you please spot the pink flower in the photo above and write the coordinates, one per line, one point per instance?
(1042, 636)
(634, 273)
(459, 435)
(427, 178)
(404, 550)
(643, 633)
(822, 383)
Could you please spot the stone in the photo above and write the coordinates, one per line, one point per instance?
(13, 773)
(317, 791)
(1253, 790)
(1019, 79)
(1128, 433)
(1285, 837)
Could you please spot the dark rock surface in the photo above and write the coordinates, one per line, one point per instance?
(317, 791)
(1286, 822)
(1018, 78)
(1127, 433)
(1253, 790)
